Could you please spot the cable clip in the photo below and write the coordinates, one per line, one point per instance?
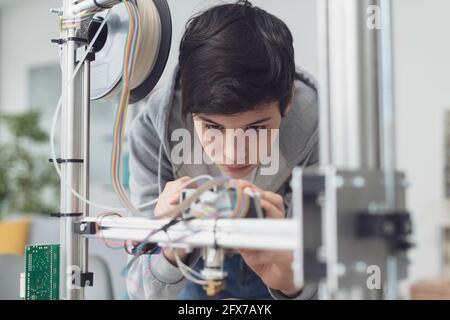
(66, 215)
(63, 41)
(85, 228)
(59, 160)
(84, 279)
(58, 41)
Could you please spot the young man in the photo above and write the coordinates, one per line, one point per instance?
(236, 71)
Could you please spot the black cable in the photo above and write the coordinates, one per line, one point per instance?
(139, 249)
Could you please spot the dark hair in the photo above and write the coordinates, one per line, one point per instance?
(233, 58)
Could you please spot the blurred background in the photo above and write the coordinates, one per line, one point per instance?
(30, 88)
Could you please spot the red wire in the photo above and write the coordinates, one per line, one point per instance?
(109, 244)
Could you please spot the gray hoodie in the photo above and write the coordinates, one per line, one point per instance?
(153, 277)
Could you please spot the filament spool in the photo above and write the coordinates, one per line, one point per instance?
(106, 69)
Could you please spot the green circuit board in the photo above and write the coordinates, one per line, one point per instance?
(42, 272)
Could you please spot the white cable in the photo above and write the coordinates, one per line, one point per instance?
(181, 264)
(159, 168)
(185, 269)
(55, 120)
(83, 199)
(191, 278)
(192, 271)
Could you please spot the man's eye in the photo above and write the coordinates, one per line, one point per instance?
(256, 128)
(213, 126)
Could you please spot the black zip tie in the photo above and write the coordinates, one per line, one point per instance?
(75, 39)
(169, 224)
(59, 160)
(58, 41)
(172, 223)
(64, 215)
(141, 247)
(138, 249)
(86, 279)
(144, 248)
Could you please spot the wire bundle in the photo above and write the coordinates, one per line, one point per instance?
(131, 51)
(77, 21)
(140, 52)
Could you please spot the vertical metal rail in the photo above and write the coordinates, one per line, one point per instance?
(323, 81)
(72, 249)
(355, 105)
(327, 160)
(325, 145)
(84, 248)
(298, 264)
(348, 85)
(387, 131)
(330, 233)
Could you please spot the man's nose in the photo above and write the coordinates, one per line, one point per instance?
(233, 154)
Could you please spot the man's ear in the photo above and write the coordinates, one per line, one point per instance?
(291, 104)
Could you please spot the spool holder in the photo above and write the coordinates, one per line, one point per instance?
(106, 73)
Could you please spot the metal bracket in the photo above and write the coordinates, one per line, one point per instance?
(61, 41)
(81, 52)
(83, 279)
(395, 227)
(59, 160)
(84, 228)
(66, 215)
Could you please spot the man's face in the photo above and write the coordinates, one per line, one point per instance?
(235, 142)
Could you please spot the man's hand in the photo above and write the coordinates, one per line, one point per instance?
(273, 267)
(169, 198)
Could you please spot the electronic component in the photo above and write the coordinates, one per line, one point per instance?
(213, 270)
(214, 204)
(223, 201)
(42, 272)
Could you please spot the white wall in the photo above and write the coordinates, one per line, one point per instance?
(422, 53)
(299, 15)
(26, 30)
